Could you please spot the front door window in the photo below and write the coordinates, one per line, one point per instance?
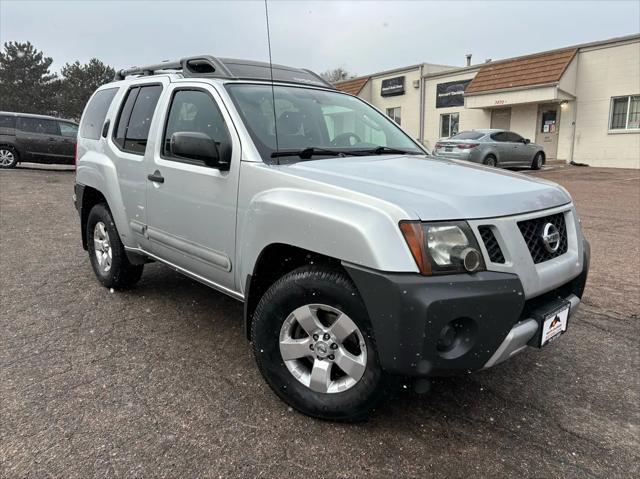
(548, 124)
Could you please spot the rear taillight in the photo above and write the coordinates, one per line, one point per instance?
(467, 146)
(439, 145)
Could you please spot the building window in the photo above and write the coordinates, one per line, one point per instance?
(449, 124)
(625, 113)
(394, 114)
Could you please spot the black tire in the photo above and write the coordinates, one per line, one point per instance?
(491, 160)
(314, 285)
(538, 161)
(121, 273)
(9, 157)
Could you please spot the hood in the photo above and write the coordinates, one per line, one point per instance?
(433, 188)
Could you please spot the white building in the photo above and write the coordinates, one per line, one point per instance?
(398, 92)
(581, 103)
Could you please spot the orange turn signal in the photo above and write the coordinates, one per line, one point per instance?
(414, 236)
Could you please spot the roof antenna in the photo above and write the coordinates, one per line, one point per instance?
(273, 94)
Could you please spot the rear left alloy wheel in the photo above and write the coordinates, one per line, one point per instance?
(313, 344)
(8, 158)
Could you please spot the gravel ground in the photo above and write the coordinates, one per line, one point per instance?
(160, 382)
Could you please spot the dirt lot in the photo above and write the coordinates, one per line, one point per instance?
(160, 382)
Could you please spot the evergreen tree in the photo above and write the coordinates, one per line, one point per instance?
(26, 84)
(78, 83)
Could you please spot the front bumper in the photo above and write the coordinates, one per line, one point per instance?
(443, 325)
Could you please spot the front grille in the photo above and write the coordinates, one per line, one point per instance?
(491, 243)
(532, 233)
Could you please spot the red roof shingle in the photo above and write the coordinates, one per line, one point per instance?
(352, 87)
(531, 70)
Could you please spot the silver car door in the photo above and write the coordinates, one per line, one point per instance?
(504, 148)
(520, 150)
(191, 207)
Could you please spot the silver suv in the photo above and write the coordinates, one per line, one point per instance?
(357, 255)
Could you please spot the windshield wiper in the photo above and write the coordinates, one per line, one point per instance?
(307, 153)
(386, 150)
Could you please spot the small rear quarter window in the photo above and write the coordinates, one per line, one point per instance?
(95, 113)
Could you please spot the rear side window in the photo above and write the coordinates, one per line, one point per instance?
(134, 121)
(95, 113)
(7, 121)
(39, 126)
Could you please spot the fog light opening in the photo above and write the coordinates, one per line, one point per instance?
(456, 338)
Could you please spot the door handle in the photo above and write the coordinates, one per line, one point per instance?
(156, 177)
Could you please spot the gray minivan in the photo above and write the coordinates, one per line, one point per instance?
(36, 139)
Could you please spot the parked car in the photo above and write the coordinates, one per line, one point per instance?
(357, 255)
(36, 138)
(492, 147)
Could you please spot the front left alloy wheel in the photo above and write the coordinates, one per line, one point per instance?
(313, 344)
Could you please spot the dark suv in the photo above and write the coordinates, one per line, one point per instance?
(36, 138)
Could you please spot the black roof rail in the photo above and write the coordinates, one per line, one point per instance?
(213, 67)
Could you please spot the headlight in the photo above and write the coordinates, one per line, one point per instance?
(443, 248)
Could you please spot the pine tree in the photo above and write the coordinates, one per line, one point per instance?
(77, 84)
(26, 84)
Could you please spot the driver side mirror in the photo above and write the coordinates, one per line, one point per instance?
(198, 146)
(526, 141)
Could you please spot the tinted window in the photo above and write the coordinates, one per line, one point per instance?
(196, 111)
(501, 136)
(468, 135)
(7, 121)
(141, 116)
(95, 113)
(514, 137)
(40, 126)
(134, 122)
(68, 129)
(123, 118)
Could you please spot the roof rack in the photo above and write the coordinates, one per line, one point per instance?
(212, 67)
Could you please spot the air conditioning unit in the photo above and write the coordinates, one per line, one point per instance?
(416, 83)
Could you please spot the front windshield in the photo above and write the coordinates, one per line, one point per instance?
(309, 118)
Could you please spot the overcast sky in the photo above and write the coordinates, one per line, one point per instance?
(362, 37)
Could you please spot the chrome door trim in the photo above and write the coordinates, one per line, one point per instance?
(214, 258)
